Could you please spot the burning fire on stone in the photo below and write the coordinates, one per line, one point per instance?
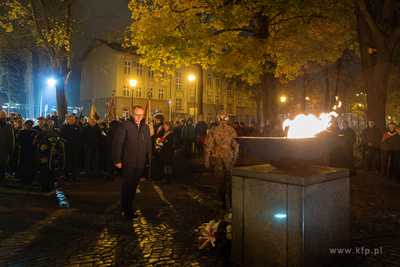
(308, 126)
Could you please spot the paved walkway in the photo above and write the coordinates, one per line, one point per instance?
(80, 224)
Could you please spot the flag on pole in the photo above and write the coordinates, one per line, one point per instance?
(148, 117)
(93, 113)
(111, 108)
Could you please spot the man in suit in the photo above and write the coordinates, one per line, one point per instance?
(6, 144)
(131, 145)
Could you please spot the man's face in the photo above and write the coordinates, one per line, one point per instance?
(345, 124)
(71, 120)
(391, 127)
(189, 122)
(12, 116)
(371, 124)
(41, 121)
(157, 121)
(51, 124)
(3, 116)
(176, 124)
(138, 114)
(28, 126)
(236, 125)
(92, 122)
(335, 125)
(201, 118)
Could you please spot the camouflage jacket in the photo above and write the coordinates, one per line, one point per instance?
(220, 142)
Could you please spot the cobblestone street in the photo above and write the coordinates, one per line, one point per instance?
(80, 224)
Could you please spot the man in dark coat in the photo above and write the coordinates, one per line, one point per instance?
(131, 145)
(38, 128)
(387, 150)
(71, 133)
(177, 132)
(372, 137)
(55, 119)
(27, 156)
(91, 135)
(201, 132)
(347, 158)
(6, 144)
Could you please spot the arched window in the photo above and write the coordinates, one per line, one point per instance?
(209, 80)
(246, 120)
(240, 119)
(125, 113)
(253, 118)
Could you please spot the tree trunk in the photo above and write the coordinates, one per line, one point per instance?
(338, 69)
(303, 92)
(270, 96)
(326, 89)
(199, 93)
(30, 107)
(61, 84)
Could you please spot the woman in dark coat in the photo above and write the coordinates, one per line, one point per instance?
(166, 146)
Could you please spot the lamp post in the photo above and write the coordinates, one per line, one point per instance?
(191, 79)
(133, 84)
(50, 82)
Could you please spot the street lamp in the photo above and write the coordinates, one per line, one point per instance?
(51, 82)
(133, 84)
(283, 99)
(191, 79)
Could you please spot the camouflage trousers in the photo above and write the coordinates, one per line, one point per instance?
(223, 174)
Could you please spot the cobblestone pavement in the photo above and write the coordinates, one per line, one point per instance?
(80, 224)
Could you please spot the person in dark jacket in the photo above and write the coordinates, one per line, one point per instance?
(71, 133)
(188, 137)
(347, 157)
(157, 169)
(178, 132)
(110, 167)
(252, 130)
(131, 149)
(38, 128)
(27, 155)
(239, 131)
(372, 137)
(6, 145)
(201, 132)
(91, 135)
(55, 119)
(166, 145)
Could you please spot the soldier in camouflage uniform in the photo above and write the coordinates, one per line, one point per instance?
(221, 145)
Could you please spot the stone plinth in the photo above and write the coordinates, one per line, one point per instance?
(316, 203)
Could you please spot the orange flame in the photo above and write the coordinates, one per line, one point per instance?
(308, 126)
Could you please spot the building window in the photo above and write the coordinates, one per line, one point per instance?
(209, 118)
(245, 102)
(178, 81)
(178, 102)
(125, 113)
(216, 81)
(191, 99)
(253, 104)
(209, 81)
(139, 70)
(229, 89)
(151, 73)
(163, 74)
(239, 102)
(217, 99)
(151, 93)
(127, 67)
(138, 92)
(126, 90)
(253, 118)
(160, 93)
(229, 107)
(209, 98)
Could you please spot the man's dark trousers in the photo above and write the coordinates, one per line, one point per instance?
(131, 180)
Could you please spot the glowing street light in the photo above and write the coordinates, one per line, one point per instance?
(283, 99)
(51, 82)
(133, 82)
(191, 78)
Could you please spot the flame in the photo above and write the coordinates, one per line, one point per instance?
(308, 126)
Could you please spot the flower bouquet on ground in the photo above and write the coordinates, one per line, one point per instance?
(216, 235)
